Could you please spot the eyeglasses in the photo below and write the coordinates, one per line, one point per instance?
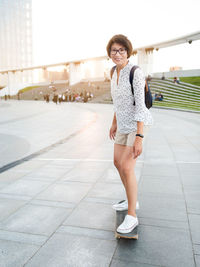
(121, 51)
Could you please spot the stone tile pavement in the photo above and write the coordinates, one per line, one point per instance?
(55, 207)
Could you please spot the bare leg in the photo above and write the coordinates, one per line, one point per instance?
(118, 151)
(131, 184)
(124, 162)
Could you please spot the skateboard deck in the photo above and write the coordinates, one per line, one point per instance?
(119, 219)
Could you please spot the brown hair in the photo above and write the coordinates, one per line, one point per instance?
(122, 40)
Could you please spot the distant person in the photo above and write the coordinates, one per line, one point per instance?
(130, 124)
(89, 95)
(59, 98)
(78, 98)
(85, 99)
(153, 95)
(55, 98)
(149, 78)
(176, 80)
(47, 98)
(159, 97)
(163, 76)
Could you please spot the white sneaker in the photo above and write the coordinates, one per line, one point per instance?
(129, 223)
(123, 205)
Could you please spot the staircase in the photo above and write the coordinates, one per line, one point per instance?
(180, 96)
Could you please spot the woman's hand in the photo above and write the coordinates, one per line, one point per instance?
(113, 130)
(137, 147)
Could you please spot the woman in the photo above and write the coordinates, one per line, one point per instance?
(129, 126)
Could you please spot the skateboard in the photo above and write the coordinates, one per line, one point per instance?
(119, 219)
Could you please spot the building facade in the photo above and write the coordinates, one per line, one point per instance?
(15, 39)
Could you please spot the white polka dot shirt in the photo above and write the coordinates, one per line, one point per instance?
(128, 114)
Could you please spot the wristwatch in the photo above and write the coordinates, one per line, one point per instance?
(140, 135)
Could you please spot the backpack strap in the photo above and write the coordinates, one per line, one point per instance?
(112, 71)
(131, 76)
(146, 85)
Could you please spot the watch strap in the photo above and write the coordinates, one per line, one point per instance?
(140, 135)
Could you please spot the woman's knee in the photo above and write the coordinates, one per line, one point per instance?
(126, 169)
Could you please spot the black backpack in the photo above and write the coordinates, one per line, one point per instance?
(147, 91)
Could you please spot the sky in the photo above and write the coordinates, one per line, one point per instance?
(65, 30)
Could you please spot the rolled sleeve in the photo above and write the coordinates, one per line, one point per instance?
(138, 87)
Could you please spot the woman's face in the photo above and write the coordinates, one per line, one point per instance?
(118, 54)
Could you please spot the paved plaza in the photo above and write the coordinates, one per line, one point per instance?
(58, 183)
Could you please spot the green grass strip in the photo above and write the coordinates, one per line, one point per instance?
(26, 89)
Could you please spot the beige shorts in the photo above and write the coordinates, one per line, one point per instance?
(128, 139)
